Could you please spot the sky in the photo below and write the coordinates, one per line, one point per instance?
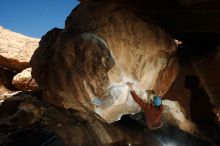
(34, 17)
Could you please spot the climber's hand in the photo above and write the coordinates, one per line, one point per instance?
(130, 85)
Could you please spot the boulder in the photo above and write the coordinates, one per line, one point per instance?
(207, 70)
(86, 65)
(23, 113)
(19, 111)
(16, 50)
(24, 81)
(175, 115)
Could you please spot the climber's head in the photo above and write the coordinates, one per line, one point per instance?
(157, 101)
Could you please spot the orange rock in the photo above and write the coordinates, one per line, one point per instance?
(85, 66)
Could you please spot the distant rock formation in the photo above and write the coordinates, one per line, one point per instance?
(16, 50)
(15, 53)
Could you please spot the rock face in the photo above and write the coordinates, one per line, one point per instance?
(202, 72)
(24, 111)
(15, 50)
(209, 75)
(175, 115)
(20, 111)
(86, 66)
(24, 81)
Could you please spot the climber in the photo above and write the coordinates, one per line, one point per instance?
(152, 110)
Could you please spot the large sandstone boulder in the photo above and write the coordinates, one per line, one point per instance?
(86, 66)
(15, 50)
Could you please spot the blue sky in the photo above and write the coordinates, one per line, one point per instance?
(34, 17)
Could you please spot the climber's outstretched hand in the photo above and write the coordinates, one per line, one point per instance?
(130, 85)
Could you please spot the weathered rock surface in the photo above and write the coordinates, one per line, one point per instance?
(16, 49)
(24, 111)
(86, 65)
(175, 115)
(19, 111)
(198, 79)
(24, 81)
(3, 89)
(207, 70)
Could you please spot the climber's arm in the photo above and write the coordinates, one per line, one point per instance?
(136, 98)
